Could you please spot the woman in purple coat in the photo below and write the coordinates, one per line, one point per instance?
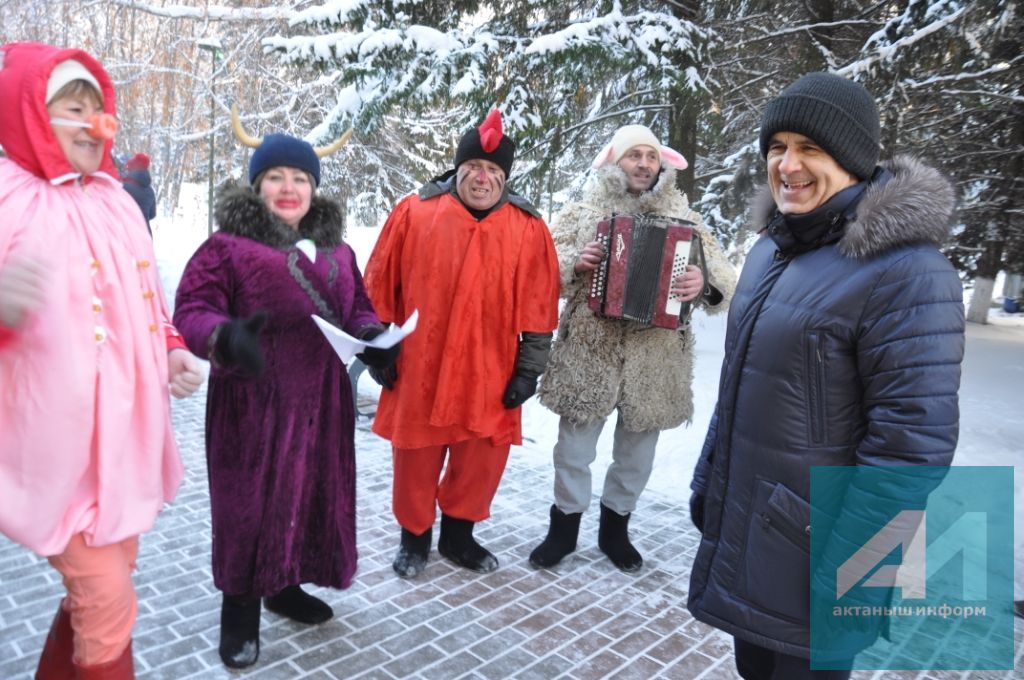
(280, 422)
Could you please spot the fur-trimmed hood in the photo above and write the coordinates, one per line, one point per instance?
(915, 206)
(241, 212)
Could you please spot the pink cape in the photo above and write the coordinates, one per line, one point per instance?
(85, 433)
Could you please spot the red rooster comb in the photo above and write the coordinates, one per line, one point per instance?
(490, 131)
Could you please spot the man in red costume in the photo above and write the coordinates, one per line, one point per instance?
(478, 263)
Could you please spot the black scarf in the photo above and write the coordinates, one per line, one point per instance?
(801, 233)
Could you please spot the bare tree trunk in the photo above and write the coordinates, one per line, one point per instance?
(687, 108)
(985, 281)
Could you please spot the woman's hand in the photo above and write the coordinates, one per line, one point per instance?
(22, 291)
(184, 372)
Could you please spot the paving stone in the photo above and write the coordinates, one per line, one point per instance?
(454, 666)
(551, 666)
(635, 643)
(690, 666)
(410, 663)
(366, 659)
(600, 665)
(462, 638)
(552, 639)
(507, 665)
(639, 669)
(323, 655)
(497, 644)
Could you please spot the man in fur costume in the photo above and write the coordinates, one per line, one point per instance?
(478, 263)
(600, 365)
(843, 350)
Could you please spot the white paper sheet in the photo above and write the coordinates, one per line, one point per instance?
(346, 347)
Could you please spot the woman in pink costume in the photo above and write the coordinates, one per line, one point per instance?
(87, 458)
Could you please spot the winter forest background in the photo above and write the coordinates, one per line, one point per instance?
(410, 75)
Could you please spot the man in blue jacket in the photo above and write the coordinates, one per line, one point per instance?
(843, 348)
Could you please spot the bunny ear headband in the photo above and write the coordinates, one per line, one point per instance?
(628, 136)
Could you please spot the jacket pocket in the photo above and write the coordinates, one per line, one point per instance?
(815, 368)
(776, 562)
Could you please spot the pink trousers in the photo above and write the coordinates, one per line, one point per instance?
(101, 597)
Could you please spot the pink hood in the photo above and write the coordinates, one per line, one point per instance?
(25, 131)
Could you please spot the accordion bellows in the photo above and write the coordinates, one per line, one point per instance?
(645, 253)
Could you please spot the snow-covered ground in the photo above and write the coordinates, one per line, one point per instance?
(991, 403)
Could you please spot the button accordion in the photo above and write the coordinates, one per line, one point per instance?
(645, 253)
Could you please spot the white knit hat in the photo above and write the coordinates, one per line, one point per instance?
(628, 136)
(66, 71)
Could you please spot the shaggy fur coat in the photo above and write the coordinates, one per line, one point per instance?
(599, 364)
(280, 447)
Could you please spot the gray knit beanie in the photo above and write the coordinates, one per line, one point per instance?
(837, 113)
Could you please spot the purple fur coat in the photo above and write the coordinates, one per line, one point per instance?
(280, 448)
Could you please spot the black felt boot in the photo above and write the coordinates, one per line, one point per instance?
(560, 541)
(613, 540)
(239, 630)
(412, 555)
(456, 543)
(298, 605)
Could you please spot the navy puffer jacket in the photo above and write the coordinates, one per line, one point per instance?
(845, 355)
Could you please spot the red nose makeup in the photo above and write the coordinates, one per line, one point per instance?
(102, 126)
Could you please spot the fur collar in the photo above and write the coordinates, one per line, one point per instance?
(241, 212)
(664, 198)
(915, 206)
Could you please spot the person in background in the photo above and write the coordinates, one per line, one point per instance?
(87, 457)
(477, 262)
(843, 348)
(138, 182)
(280, 425)
(602, 365)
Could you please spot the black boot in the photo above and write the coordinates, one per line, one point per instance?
(613, 540)
(239, 630)
(298, 605)
(457, 544)
(560, 541)
(412, 555)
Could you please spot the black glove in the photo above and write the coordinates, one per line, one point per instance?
(697, 510)
(237, 345)
(374, 357)
(519, 389)
(385, 377)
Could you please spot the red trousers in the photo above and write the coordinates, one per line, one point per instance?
(465, 491)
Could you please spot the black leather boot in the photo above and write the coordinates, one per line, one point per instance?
(613, 540)
(457, 544)
(412, 555)
(298, 605)
(560, 541)
(239, 630)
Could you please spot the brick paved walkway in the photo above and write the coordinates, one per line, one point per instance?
(584, 620)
